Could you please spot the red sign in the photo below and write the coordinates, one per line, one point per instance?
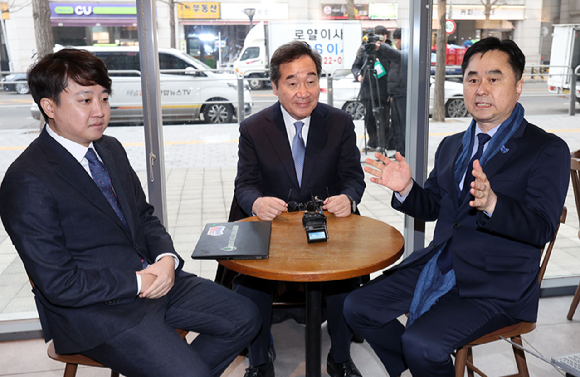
(450, 26)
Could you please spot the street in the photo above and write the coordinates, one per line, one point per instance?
(15, 108)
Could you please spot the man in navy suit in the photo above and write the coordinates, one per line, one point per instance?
(108, 282)
(293, 151)
(497, 192)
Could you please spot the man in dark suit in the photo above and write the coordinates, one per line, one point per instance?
(497, 192)
(295, 150)
(108, 282)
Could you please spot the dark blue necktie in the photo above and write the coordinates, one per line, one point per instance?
(445, 260)
(482, 138)
(298, 150)
(103, 181)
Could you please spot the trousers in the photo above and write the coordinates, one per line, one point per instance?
(260, 291)
(225, 321)
(425, 347)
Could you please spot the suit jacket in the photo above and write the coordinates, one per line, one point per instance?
(74, 247)
(266, 168)
(496, 258)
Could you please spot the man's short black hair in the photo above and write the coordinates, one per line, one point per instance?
(288, 53)
(516, 57)
(397, 33)
(49, 77)
(380, 29)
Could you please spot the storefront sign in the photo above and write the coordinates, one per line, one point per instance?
(477, 12)
(336, 41)
(198, 10)
(86, 14)
(94, 10)
(338, 12)
(265, 11)
(383, 11)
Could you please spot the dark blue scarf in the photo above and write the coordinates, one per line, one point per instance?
(497, 142)
(432, 285)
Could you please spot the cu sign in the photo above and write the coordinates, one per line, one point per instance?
(450, 26)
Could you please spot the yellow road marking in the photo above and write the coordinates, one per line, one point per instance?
(141, 143)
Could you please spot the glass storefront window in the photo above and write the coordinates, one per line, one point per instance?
(201, 157)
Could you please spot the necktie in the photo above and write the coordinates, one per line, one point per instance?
(298, 150)
(445, 260)
(482, 138)
(103, 181)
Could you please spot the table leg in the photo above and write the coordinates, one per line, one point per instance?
(313, 319)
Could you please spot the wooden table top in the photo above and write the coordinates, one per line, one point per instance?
(356, 246)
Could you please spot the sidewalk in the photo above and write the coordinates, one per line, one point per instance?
(200, 168)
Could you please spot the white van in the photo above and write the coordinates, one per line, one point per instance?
(185, 95)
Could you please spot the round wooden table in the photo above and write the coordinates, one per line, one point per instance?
(356, 246)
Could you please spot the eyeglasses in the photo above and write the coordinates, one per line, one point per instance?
(312, 206)
(315, 205)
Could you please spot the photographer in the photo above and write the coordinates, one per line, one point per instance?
(371, 95)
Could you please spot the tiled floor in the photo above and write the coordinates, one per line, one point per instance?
(554, 336)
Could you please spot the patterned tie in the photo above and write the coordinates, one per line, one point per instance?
(103, 181)
(445, 260)
(298, 150)
(483, 138)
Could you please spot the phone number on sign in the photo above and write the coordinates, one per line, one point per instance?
(331, 60)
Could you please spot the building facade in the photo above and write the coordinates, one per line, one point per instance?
(215, 31)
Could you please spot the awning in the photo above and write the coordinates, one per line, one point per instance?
(483, 24)
(78, 21)
(369, 24)
(494, 24)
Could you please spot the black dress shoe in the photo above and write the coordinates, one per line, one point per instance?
(346, 369)
(260, 372)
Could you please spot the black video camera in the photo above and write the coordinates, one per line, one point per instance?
(314, 222)
(369, 46)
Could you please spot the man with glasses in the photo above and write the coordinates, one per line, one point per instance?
(294, 151)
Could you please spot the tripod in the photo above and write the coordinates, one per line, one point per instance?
(378, 111)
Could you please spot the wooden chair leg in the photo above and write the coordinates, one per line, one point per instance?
(520, 356)
(574, 304)
(470, 362)
(70, 370)
(460, 359)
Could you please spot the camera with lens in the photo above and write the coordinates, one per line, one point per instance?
(314, 222)
(369, 45)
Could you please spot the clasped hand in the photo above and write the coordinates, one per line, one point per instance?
(158, 278)
(267, 208)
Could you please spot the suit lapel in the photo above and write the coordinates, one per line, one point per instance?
(506, 151)
(109, 162)
(278, 137)
(317, 139)
(69, 169)
(494, 165)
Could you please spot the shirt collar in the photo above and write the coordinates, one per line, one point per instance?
(490, 132)
(289, 120)
(77, 150)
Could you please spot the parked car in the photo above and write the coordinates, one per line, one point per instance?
(15, 82)
(346, 90)
(189, 89)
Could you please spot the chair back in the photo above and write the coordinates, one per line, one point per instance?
(548, 248)
(575, 177)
